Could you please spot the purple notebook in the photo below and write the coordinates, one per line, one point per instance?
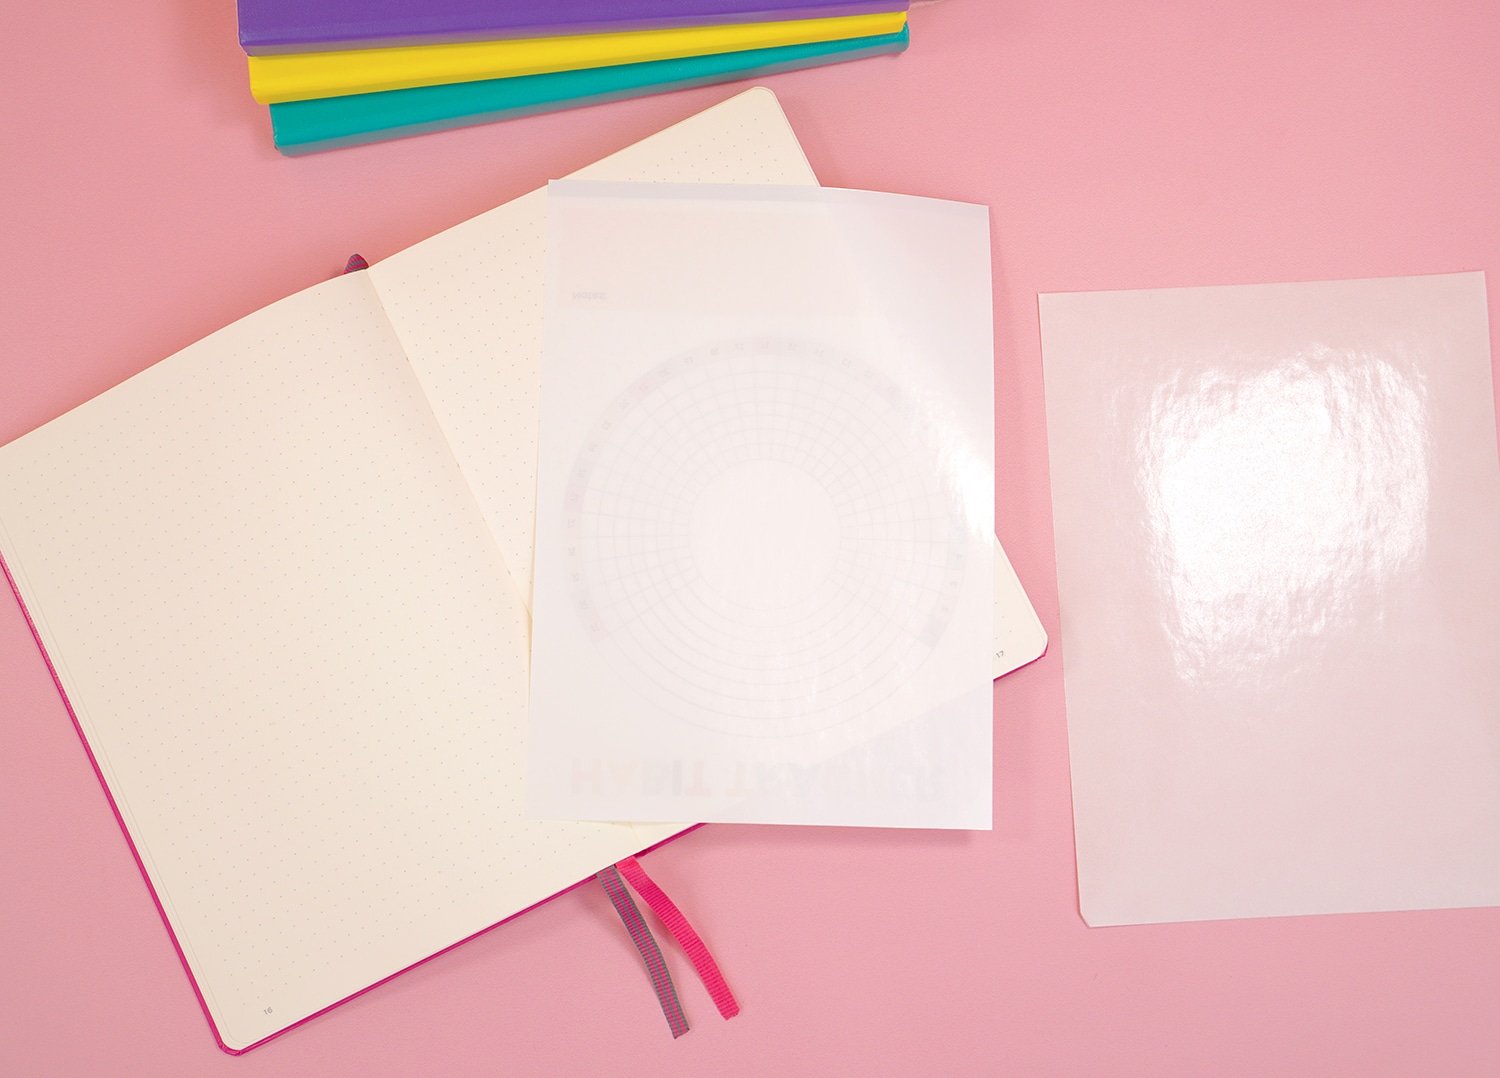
(269, 26)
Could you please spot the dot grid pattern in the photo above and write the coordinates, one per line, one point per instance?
(288, 638)
(711, 659)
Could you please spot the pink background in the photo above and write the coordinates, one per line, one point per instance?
(1120, 145)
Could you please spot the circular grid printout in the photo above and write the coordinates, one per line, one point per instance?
(756, 542)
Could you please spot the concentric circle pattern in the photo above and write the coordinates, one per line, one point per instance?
(756, 542)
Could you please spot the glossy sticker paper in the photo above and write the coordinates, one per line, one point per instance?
(1278, 541)
(765, 554)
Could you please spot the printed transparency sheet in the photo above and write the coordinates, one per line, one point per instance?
(765, 553)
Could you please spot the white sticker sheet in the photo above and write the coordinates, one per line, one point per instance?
(1277, 512)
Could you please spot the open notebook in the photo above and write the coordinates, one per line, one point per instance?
(282, 579)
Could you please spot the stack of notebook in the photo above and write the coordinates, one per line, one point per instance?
(345, 72)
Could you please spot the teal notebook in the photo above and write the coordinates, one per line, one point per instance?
(330, 122)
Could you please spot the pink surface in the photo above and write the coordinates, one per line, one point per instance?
(1119, 146)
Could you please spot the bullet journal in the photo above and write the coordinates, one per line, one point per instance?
(282, 580)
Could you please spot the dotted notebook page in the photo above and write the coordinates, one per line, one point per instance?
(294, 652)
(1019, 635)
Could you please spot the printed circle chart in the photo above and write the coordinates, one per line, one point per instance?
(757, 541)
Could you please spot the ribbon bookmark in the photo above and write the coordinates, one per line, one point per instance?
(692, 944)
(645, 942)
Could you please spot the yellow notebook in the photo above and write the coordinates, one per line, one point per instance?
(300, 76)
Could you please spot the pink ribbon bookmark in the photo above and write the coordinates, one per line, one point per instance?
(677, 925)
(645, 943)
